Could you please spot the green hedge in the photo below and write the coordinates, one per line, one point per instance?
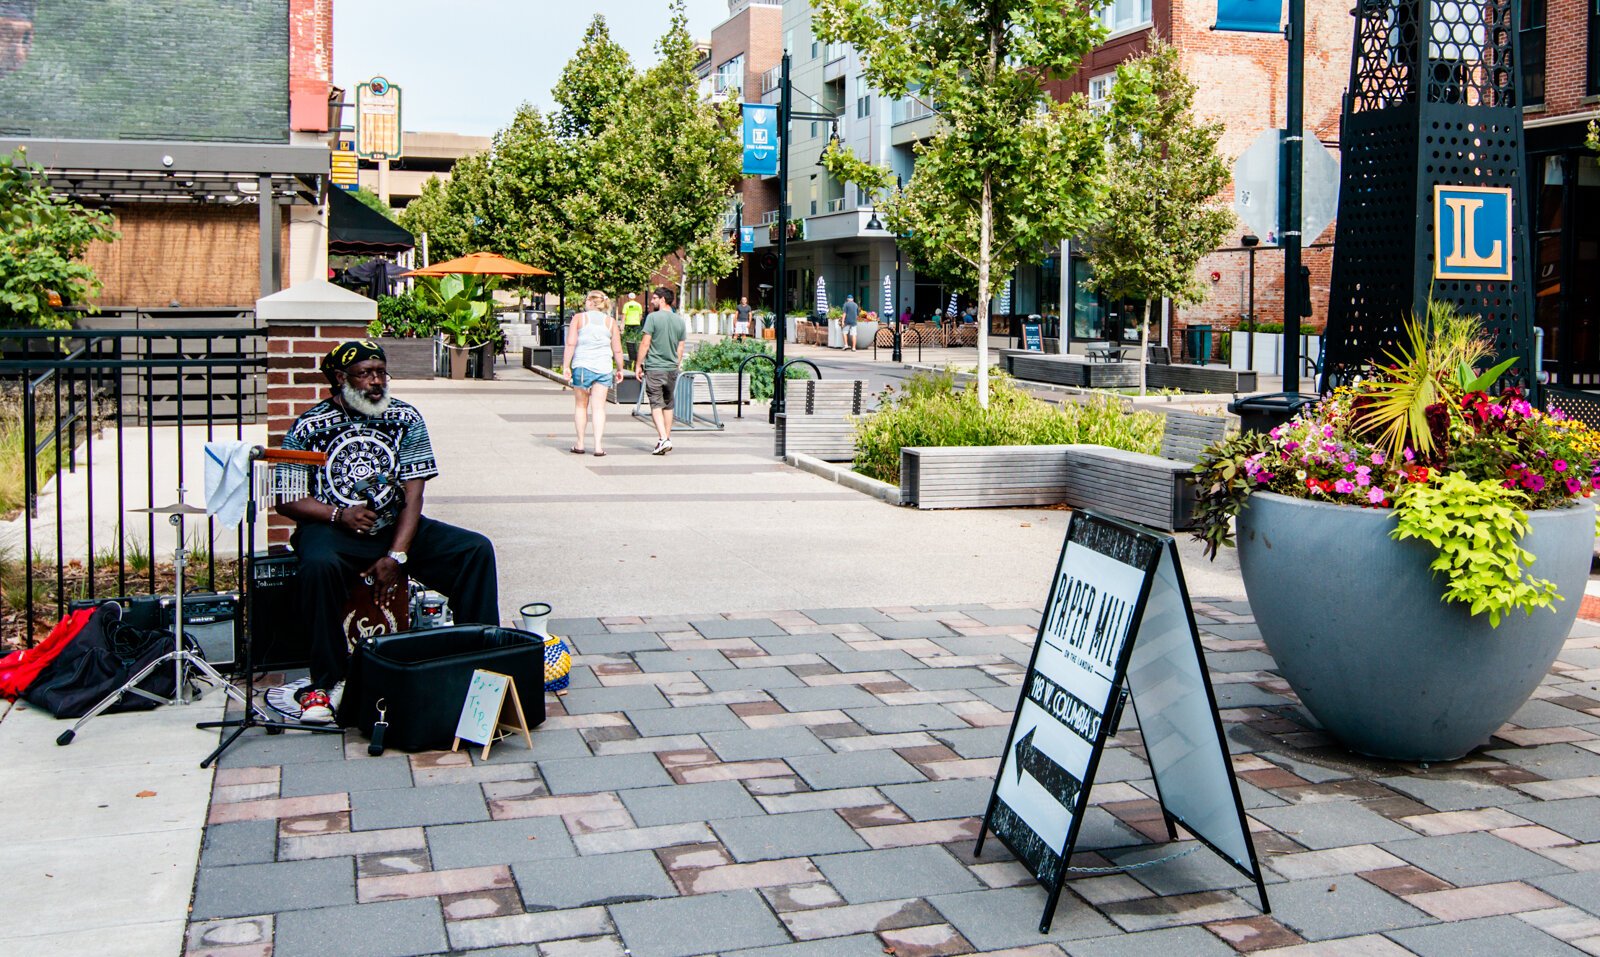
(725, 356)
(932, 411)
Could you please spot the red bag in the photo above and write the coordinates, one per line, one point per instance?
(18, 669)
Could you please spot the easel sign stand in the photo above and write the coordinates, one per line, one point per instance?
(483, 712)
(1117, 626)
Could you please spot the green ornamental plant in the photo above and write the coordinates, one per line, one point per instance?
(931, 409)
(726, 356)
(1424, 437)
(43, 238)
(463, 303)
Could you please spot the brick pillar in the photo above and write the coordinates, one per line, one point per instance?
(303, 322)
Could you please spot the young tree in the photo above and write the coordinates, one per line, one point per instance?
(42, 240)
(451, 213)
(632, 167)
(1163, 175)
(1009, 171)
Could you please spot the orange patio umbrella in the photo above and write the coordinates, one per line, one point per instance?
(479, 264)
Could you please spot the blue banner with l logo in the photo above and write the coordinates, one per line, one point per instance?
(747, 239)
(1471, 233)
(760, 139)
(1250, 16)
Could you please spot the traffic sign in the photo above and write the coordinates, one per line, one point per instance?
(1255, 187)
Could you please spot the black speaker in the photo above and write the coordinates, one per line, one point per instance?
(278, 639)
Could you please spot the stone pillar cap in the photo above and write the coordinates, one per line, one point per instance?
(316, 301)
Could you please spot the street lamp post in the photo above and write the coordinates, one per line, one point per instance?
(894, 318)
(785, 114)
(1251, 241)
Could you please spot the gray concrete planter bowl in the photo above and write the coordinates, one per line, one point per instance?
(1355, 622)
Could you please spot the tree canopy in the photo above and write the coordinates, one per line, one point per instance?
(630, 167)
(1163, 173)
(42, 241)
(1009, 171)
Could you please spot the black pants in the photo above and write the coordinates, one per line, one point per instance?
(442, 557)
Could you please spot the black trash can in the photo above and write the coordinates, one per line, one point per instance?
(1263, 413)
(1197, 342)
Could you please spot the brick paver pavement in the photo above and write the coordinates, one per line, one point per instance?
(799, 784)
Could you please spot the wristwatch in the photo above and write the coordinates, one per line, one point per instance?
(399, 557)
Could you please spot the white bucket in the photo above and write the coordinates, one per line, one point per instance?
(535, 617)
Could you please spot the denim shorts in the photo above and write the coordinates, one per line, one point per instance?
(588, 378)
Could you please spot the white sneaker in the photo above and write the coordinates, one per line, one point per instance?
(336, 695)
(661, 447)
(666, 447)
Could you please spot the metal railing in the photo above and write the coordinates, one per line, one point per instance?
(86, 390)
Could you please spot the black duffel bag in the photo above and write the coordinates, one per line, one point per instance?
(99, 660)
(422, 677)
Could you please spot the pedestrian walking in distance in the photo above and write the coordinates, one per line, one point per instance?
(852, 315)
(741, 324)
(594, 340)
(660, 358)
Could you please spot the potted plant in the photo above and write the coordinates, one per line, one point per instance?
(767, 332)
(405, 328)
(1414, 547)
(465, 323)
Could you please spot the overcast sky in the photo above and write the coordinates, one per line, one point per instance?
(464, 65)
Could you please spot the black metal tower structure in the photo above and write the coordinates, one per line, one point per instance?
(1432, 101)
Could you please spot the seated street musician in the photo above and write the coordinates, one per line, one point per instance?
(363, 518)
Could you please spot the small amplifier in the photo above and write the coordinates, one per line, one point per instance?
(212, 620)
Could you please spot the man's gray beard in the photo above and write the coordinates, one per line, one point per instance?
(358, 400)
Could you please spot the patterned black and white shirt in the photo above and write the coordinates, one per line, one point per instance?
(366, 454)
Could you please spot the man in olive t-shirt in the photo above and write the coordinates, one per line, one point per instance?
(660, 356)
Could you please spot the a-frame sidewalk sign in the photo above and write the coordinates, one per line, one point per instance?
(1117, 626)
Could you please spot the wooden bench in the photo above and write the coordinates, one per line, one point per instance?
(826, 437)
(1153, 490)
(973, 476)
(721, 386)
(834, 398)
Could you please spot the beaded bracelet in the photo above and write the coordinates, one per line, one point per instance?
(334, 518)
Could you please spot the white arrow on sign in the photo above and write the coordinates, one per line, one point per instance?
(1255, 187)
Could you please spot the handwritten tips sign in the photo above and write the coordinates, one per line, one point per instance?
(489, 695)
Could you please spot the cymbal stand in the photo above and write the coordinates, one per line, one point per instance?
(272, 487)
(184, 660)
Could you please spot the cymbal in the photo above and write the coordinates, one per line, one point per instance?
(179, 508)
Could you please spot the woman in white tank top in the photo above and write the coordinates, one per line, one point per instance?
(593, 341)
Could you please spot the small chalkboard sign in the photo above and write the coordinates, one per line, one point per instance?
(1032, 339)
(483, 713)
(1117, 626)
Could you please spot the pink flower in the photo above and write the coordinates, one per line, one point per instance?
(1377, 458)
(1560, 465)
(1344, 486)
(1375, 496)
(1533, 482)
(1574, 486)
(1409, 457)
(1557, 414)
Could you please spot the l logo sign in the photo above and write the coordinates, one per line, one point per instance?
(1471, 233)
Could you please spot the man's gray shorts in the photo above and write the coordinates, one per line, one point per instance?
(661, 386)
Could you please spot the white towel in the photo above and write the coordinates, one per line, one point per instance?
(227, 480)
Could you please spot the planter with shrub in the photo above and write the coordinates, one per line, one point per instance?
(931, 409)
(407, 328)
(1414, 548)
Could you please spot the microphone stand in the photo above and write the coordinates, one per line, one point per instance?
(254, 716)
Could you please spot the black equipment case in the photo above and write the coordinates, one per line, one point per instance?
(422, 677)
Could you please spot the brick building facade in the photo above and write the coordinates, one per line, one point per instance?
(1241, 83)
(1559, 43)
